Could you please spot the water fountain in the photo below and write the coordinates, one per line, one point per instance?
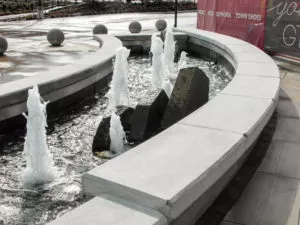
(118, 93)
(168, 87)
(117, 134)
(158, 69)
(169, 54)
(182, 60)
(39, 162)
(70, 137)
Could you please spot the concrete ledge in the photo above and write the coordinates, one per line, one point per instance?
(141, 43)
(60, 82)
(107, 210)
(174, 170)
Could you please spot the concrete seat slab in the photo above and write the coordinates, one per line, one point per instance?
(257, 57)
(282, 158)
(246, 115)
(242, 48)
(170, 171)
(107, 210)
(267, 200)
(257, 69)
(243, 86)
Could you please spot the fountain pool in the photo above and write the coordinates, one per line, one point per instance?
(69, 137)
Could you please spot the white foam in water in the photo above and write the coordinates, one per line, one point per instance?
(182, 61)
(169, 53)
(117, 134)
(39, 162)
(119, 93)
(158, 69)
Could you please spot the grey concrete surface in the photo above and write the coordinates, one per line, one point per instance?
(289, 109)
(273, 195)
(109, 211)
(267, 200)
(282, 158)
(172, 173)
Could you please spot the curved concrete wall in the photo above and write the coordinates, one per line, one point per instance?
(60, 82)
(173, 177)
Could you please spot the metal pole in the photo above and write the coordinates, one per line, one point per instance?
(175, 23)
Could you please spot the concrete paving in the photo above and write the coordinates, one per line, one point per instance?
(273, 195)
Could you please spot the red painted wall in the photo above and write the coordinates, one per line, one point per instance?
(243, 19)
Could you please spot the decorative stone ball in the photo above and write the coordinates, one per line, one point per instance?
(161, 25)
(3, 45)
(100, 29)
(135, 27)
(55, 37)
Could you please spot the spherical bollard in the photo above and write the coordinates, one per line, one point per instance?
(3, 45)
(55, 37)
(100, 29)
(135, 27)
(161, 25)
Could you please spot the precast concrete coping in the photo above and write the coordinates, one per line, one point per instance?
(176, 171)
(62, 81)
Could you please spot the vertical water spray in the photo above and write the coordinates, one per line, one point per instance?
(158, 69)
(169, 53)
(117, 134)
(168, 87)
(182, 61)
(119, 93)
(39, 162)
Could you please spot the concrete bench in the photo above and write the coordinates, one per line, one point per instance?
(105, 210)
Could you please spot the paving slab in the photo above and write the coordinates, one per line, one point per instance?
(292, 67)
(291, 81)
(289, 108)
(230, 223)
(267, 200)
(170, 171)
(283, 74)
(107, 210)
(288, 129)
(289, 94)
(282, 159)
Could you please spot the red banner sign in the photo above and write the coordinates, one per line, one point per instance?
(243, 19)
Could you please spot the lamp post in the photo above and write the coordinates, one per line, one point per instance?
(175, 17)
(40, 10)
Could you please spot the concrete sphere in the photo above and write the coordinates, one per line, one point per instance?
(3, 45)
(100, 29)
(55, 37)
(135, 27)
(161, 25)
